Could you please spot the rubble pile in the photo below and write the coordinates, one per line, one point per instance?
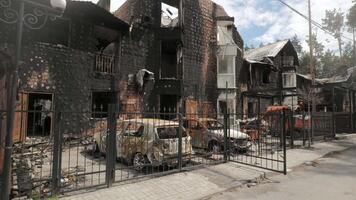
(31, 166)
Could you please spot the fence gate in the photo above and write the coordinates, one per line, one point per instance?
(267, 146)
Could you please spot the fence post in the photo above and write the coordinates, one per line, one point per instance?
(291, 125)
(226, 118)
(111, 146)
(284, 143)
(333, 113)
(57, 154)
(303, 128)
(180, 141)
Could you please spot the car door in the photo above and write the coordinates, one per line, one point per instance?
(133, 140)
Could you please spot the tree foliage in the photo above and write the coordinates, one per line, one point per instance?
(327, 63)
(351, 17)
(334, 22)
(297, 44)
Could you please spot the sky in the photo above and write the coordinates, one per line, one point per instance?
(265, 21)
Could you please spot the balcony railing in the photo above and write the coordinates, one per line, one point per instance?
(104, 64)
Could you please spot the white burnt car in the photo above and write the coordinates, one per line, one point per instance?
(148, 142)
(208, 134)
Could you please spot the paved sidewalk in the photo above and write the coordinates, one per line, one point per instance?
(205, 182)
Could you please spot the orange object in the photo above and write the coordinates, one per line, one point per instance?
(277, 108)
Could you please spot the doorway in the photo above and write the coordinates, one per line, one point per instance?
(39, 117)
(168, 106)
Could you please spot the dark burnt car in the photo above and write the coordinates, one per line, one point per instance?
(208, 134)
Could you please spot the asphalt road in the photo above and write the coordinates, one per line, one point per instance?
(331, 177)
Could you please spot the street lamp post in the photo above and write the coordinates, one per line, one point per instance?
(31, 20)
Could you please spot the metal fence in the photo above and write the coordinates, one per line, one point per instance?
(58, 151)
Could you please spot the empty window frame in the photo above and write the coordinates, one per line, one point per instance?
(289, 80)
(288, 61)
(100, 104)
(266, 77)
(226, 71)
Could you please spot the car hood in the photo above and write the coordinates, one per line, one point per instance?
(233, 133)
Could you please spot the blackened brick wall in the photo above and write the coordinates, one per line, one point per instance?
(65, 72)
(199, 56)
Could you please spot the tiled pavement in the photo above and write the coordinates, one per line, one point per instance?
(202, 183)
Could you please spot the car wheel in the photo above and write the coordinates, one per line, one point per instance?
(214, 147)
(138, 162)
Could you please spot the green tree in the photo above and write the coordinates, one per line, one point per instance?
(351, 23)
(334, 22)
(351, 17)
(304, 58)
(328, 64)
(297, 44)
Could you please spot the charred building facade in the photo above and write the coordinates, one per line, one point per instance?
(68, 64)
(270, 73)
(178, 41)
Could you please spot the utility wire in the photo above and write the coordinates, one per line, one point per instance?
(318, 25)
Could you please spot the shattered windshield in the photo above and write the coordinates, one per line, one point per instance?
(170, 132)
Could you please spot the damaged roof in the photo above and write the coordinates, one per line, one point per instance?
(94, 14)
(220, 11)
(338, 78)
(271, 50)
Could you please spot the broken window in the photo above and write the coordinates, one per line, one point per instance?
(169, 16)
(134, 130)
(265, 77)
(169, 66)
(289, 80)
(225, 35)
(39, 116)
(226, 71)
(288, 61)
(222, 107)
(100, 104)
(169, 132)
(228, 106)
(252, 108)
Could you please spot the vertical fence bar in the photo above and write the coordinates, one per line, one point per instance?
(284, 143)
(111, 146)
(57, 154)
(291, 128)
(303, 128)
(226, 118)
(333, 112)
(180, 141)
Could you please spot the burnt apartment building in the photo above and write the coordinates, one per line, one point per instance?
(68, 64)
(270, 77)
(181, 43)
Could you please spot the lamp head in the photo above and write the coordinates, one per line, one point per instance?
(59, 4)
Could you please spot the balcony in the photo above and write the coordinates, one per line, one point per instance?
(104, 64)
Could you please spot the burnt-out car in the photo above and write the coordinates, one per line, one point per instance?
(148, 142)
(208, 134)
